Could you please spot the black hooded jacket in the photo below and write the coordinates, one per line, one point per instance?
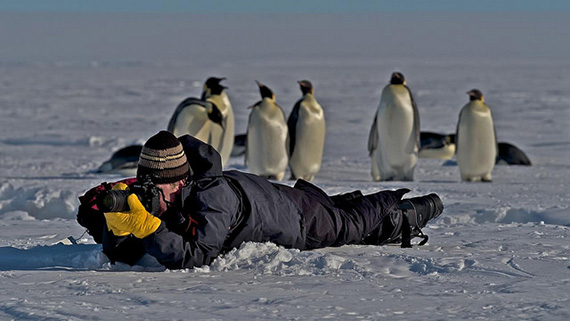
(223, 210)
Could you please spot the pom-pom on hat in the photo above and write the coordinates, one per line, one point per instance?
(162, 159)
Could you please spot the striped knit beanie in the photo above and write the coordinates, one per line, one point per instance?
(163, 159)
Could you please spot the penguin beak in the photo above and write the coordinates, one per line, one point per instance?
(259, 84)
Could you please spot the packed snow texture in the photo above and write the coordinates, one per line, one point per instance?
(500, 249)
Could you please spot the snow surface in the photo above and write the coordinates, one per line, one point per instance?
(500, 250)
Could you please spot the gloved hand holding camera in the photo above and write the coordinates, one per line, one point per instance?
(137, 220)
(124, 212)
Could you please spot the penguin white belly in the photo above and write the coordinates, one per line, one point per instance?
(222, 139)
(476, 150)
(307, 154)
(445, 152)
(397, 152)
(266, 137)
(193, 120)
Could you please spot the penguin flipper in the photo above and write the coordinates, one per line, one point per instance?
(457, 132)
(373, 136)
(292, 125)
(495, 133)
(287, 139)
(416, 117)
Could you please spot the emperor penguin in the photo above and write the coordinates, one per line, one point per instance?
(434, 145)
(267, 137)
(239, 145)
(510, 154)
(123, 162)
(394, 139)
(476, 139)
(221, 137)
(195, 117)
(306, 125)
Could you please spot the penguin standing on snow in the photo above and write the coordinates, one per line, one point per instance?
(394, 138)
(306, 135)
(267, 137)
(476, 139)
(221, 137)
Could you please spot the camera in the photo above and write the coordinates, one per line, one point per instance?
(116, 200)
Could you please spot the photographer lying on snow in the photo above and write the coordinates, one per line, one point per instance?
(200, 212)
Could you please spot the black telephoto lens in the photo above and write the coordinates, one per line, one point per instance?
(114, 201)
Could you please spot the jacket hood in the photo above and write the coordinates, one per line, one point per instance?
(204, 160)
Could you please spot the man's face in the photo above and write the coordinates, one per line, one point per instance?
(171, 192)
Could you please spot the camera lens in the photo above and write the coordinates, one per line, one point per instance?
(113, 201)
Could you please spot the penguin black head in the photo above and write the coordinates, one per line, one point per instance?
(306, 87)
(397, 78)
(265, 91)
(215, 115)
(214, 86)
(475, 94)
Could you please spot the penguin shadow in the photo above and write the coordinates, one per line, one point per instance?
(437, 181)
(50, 257)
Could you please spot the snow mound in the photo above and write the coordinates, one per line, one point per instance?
(36, 202)
(268, 258)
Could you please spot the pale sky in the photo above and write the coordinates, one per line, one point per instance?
(293, 6)
(149, 30)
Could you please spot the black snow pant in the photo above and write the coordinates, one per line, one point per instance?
(350, 218)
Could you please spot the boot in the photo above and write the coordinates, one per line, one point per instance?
(420, 210)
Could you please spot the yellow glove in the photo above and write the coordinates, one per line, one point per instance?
(137, 220)
(120, 187)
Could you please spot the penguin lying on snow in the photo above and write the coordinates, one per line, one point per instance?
(239, 145)
(306, 135)
(511, 155)
(434, 145)
(267, 137)
(123, 162)
(394, 138)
